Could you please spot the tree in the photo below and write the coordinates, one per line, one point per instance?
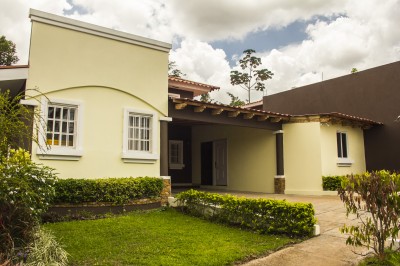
(205, 97)
(7, 52)
(251, 78)
(374, 198)
(354, 70)
(173, 71)
(235, 101)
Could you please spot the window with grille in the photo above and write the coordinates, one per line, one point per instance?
(61, 125)
(139, 132)
(175, 154)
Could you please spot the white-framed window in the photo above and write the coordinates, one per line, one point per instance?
(60, 134)
(341, 144)
(175, 154)
(343, 149)
(140, 136)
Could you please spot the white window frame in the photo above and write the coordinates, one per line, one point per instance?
(343, 161)
(176, 165)
(132, 156)
(49, 152)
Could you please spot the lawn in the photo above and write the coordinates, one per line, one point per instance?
(160, 237)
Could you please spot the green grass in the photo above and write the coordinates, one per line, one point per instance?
(392, 259)
(160, 237)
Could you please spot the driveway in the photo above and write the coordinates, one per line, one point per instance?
(328, 249)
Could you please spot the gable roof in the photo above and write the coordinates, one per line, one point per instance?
(196, 88)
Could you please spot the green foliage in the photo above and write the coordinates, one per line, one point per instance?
(7, 52)
(235, 101)
(160, 237)
(374, 198)
(44, 250)
(354, 70)
(332, 183)
(173, 71)
(25, 191)
(251, 78)
(113, 190)
(205, 97)
(262, 215)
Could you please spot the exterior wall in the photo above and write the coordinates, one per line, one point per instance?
(251, 156)
(106, 76)
(355, 145)
(372, 94)
(302, 157)
(102, 130)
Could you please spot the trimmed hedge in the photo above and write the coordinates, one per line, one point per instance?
(262, 215)
(112, 190)
(332, 183)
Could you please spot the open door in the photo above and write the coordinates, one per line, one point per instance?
(220, 162)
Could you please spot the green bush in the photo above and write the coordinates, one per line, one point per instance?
(25, 191)
(332, 183)
(112, 190)
(262, 215)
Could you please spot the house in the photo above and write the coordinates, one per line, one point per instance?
(373, 93)
(110, 110)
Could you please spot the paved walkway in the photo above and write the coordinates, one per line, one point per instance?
(328, 249)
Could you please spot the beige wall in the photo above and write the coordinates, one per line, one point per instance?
(102, 127)
(251, 156)
(62, 58)
(310, 152)
(355, 145)
(302, 158)
(105, 75)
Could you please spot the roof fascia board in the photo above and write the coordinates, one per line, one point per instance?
(72, 24)
(14, 73)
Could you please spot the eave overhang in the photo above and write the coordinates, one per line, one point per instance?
(187, 85)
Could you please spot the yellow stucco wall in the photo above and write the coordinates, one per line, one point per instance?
(105, 75)
(251, 156)
(310, 152)
(302, 158)
(102, 136)
(62, 58)
(355, 145)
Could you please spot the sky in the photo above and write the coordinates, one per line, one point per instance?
(301, 42)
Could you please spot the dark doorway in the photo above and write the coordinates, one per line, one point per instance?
(207, 163)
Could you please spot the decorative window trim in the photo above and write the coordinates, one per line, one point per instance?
(60, 153)
(179, 165)
(129, 156)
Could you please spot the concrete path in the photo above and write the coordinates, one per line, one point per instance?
(328, 249)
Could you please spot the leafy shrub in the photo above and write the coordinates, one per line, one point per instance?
(45, 250)
(332, 183)
(112, 190)
(25, 191)
(262, 215)
(374, 198)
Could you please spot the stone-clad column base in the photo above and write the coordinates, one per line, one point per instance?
(279, 184)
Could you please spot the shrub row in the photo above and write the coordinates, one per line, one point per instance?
(112, 190)
(262, 215)
(332, 183)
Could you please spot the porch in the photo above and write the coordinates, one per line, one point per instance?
(218, 146)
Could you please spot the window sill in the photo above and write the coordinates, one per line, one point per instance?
(344, 162)
(176, 166)
(59, 154)
(139, 157)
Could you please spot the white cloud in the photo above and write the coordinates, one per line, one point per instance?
(365, 35)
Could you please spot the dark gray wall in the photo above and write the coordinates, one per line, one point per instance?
(373, 94)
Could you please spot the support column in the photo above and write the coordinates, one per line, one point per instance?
(164, 145)
(279, 181)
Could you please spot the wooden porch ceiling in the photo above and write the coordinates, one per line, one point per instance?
(196, 112)
(229, 111)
